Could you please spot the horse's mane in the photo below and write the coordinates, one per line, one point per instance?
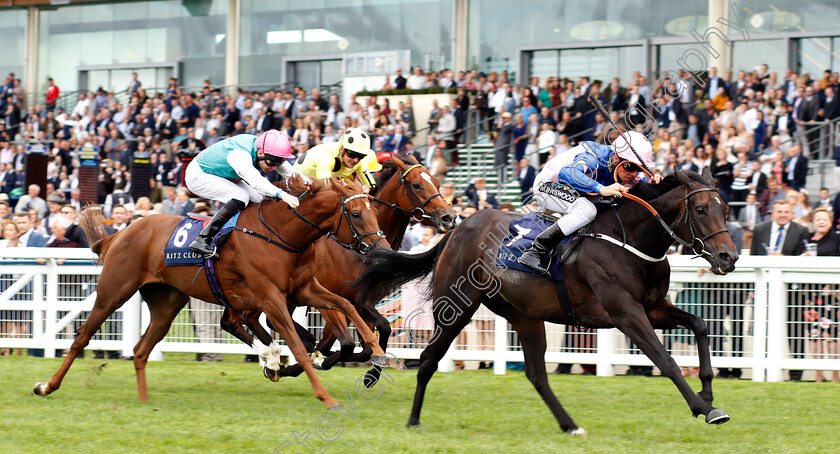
(296, 186)
(648, 191)
(389, 169)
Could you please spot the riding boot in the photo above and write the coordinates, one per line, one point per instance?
(201, 244)
(543, 244)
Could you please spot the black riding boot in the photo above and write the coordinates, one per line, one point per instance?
(201, 244)
(543, 244)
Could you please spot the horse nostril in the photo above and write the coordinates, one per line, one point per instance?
(725, 256)
(447, 219)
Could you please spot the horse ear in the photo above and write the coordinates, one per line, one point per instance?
(337, 185)
(707, 175)
(398, 162)
(683, 178)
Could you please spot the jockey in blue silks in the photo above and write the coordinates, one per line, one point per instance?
(588, 168)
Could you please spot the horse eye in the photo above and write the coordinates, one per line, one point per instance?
(701, 209)
(356, 214)
(416, 185)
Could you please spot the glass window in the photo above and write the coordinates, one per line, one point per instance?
(271, 31)
(750, 55)
(142, 32)
(761, 16)
(814, 56)
(544, 63)
(13, 50)
(497, 28)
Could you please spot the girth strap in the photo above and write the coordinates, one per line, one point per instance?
(566, 302)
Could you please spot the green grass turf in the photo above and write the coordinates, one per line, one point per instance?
(229, 407)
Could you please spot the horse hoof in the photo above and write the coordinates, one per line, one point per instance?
(578, 432)
(371, 379)
(717, 416)
(41, 388)
(413, 423)
(271, 374)
(336, 407)
(317, 360)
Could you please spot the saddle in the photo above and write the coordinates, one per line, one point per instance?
(522, 233)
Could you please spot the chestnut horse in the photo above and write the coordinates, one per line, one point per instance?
(610, 285)
(254, 275)
(405, 190)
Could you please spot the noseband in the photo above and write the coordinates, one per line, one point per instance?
(418, 213)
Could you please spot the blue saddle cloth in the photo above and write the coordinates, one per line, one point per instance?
(523, 231)
(177, 251)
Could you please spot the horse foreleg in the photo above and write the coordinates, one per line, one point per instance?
(338, 329)
(282, 321)
(637, 327)
(318, 297)
(668, 316)
(234, 322)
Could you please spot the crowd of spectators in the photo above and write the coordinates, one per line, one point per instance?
(743, 126)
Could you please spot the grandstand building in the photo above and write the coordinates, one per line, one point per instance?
(87, 44)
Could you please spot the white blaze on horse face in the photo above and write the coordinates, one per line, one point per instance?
(427, 177)
(718, 201)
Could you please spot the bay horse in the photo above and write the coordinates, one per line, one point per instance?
(610, 285)
(253, 274)
(404, 191)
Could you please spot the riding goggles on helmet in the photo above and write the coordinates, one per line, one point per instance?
(272, 161)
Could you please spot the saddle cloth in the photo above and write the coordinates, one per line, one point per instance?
(523, 231)
(177, 251)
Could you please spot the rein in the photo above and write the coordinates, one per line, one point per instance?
(417, 212)
(697, 244)
(359, 246)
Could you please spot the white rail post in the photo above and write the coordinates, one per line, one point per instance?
(131, 321)
(38, 305)
(605, 351)
(51, 306)
(776, 319)
(500, 346)
(759, 372)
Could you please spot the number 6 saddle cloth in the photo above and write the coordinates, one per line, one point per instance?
(177, 251)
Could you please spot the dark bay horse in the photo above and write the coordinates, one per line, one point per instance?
(254, 275)
(609, 285)
(404, 190)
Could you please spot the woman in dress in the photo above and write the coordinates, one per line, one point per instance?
(824, 310)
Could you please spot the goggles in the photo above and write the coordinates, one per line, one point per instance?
(630, 167)
(354, 155)
(272, 161)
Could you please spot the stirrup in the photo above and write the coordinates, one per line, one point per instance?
(200, 247)
(524, 259)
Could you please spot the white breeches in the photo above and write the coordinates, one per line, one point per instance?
(218, 188)
(575, 214)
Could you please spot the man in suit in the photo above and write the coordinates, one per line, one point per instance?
(526, 177)
(784, 237)
(713, 83)
(29, 238)
(831, 108)
(32, 200)
(263, 121)
(749, 217)
(479, 196)
(396, 141)
(399, 81)
(120, 216)
(796, 168)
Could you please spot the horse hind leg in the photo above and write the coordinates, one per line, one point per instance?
(446, 330)
(113, 290)
(532, 338)
(234, 322)
(165, 302)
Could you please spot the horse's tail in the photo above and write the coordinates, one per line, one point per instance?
(388, 270)
(92, 221)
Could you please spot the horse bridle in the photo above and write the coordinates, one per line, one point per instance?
(417, 205)
(360, 246)
(697, 245)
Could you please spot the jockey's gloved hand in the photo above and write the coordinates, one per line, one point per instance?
(291, 200)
